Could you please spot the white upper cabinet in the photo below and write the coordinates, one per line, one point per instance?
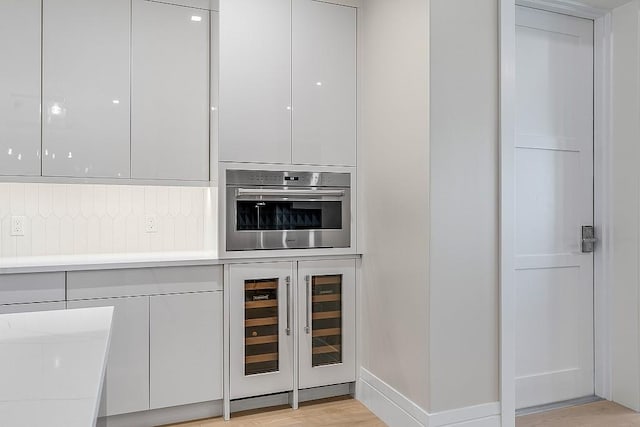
(20, 37)
(255, 81)
(170, 92)
(287, 82)
(214, 120)
(86, 88)
(324, 83)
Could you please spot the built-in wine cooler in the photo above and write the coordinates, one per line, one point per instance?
(261, 340)
(326, 293)
(265, 324)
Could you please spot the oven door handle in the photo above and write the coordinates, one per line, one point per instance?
(289, 193)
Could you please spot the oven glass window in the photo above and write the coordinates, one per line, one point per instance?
(257, 215)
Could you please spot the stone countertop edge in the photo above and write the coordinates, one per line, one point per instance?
(62, 263)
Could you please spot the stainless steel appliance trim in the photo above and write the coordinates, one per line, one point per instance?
(288, 329)
(307, 328)
(307, 187)
(287, 193)
(237, 177)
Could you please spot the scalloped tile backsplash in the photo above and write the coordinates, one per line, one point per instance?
(82, 219)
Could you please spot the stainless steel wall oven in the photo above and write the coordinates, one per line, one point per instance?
(287, 210)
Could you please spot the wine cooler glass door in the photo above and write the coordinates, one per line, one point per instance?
(327, 314)
(261, 327)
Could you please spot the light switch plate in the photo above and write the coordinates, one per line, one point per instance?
(151, 224)
(18, 225)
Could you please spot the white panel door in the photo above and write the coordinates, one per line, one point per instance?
(554, 198)
(126, 382)
(255, 81)
(169, 92)
(324, 83)
(20, 35)
(261, 329)
(327, 322)
(86, 88)
(185, 341)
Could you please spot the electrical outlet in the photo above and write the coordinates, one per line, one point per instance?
(151, 224)
(17, 225)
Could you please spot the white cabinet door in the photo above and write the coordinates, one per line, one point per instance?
(324, 83)
(126, 384)
(185, 349)
(86, 88)
(29, 308)
(327, 328)
(170, 92)
(261, 329)
(20, 35)
(214, 121)
(255, 81)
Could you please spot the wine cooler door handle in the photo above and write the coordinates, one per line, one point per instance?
(288, 281)
(307, 279)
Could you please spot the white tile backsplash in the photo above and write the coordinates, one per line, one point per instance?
(84, 219)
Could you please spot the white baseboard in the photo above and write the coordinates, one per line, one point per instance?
(157, 417)
(493, 421)
(460, 416)
(395, 409)
(383, 407)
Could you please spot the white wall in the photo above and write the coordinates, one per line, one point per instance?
(625, 356)
(81, 219)
(429, 199)
(394, 196)
(464, 281)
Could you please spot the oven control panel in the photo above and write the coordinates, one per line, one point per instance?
(284, 178)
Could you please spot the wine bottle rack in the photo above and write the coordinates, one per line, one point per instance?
(261, 326)
(326, 298)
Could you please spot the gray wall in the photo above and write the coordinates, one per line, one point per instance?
(429, 198)
(625, 340)
(394, 197)
(464, 280)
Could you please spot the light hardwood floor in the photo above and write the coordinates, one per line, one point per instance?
(331, 412)
(598, 414)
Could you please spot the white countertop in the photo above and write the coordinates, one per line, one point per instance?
(39, 264)
(35, 264)
(52, 365)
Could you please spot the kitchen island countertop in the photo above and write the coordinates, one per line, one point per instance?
(52, 365)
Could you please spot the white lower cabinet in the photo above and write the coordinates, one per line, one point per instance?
(185, 348)
(261, 329)
(269, 309)
(166, 339)
(126, 383)
(327, 322)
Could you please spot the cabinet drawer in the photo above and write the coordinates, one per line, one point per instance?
(143, 281)
(27, 288)
(28, 308)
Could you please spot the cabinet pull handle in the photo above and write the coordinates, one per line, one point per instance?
(307, 279)
(288, 329)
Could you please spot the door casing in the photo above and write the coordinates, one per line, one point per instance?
(602, 193)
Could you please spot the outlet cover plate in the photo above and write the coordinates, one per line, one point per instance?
(18, 225)
(151, 224)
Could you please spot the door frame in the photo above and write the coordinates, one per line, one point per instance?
(602, 192)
